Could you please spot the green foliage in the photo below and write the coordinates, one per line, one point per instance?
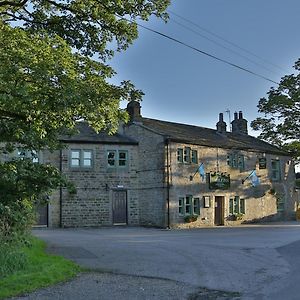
(190, 219)
(281, 109)
(22, 184)
(40, 270)
(54, 72)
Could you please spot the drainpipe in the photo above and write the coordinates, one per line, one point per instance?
(60, 189)
(168, 183)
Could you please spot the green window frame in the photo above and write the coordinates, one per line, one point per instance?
(180, 155)
(196, 206)
(180, 206)
(117, 158)
(188, 206)
(122, 158)
(237, 205)
(87, 158)
(275, 170)
(236, 161)
(194, 156)
(28, 154)
(111, 158)
(187, 155)
(75, 158)
(280, 203)
(242, 206)
(81, 158)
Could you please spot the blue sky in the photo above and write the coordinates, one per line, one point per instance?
(184, 86)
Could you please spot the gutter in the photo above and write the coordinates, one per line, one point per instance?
(168, 182)
(60, 189)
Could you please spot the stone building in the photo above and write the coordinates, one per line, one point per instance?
(103, 170)
(148, 174)
(243, 178)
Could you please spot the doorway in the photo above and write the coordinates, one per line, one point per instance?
(42, 214)
(219, 210)
(119, 207)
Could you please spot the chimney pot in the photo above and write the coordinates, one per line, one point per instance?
(240, 114)
(235, 115)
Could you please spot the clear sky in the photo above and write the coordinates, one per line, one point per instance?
(184, 86)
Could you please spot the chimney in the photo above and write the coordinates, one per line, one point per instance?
(239, 124)
(221, 125)
(134, 110)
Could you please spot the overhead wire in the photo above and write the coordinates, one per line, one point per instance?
(225, 40)
(224, 47)
(201, 51)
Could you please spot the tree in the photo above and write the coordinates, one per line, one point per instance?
(281, 122)
(54, 71)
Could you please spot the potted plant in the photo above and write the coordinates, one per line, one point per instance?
(190, 218)
(236, 217)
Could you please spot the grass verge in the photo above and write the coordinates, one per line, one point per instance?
(41, 270)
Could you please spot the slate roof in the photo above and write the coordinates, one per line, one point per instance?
(88, 135)
(209, 137)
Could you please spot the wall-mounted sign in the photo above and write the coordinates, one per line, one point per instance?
(262, 163)
(206, 200)
(219, 181)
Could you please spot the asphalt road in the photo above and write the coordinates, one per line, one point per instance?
(259, 262)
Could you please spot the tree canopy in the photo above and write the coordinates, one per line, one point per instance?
(54, 71)
(53, 65)
(281, 108)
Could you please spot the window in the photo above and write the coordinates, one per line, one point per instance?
(188, 206)
(111, 158)
(236, 205)
(280, 204)
(236, 161)
(180, 155)
(29, 154)
(194, 156)
(187, 155)
(117, 158)
(81, 158)
(196, 206)
(87, 158)
(75, 158)
(275, 170)
(122, 158)
(180, 206)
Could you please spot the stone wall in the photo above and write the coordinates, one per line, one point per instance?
(151, 175)
(260, 201)
(92, 203)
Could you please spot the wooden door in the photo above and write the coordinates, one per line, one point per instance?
(119, 207)
(219, 210)
(42, 215)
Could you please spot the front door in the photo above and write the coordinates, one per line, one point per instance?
(219, 210)
(119, 207)
(42, 214)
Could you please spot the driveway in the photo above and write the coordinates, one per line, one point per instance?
(260, 262)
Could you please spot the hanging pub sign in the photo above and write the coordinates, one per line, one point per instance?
(262, 163)
(219, 181)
